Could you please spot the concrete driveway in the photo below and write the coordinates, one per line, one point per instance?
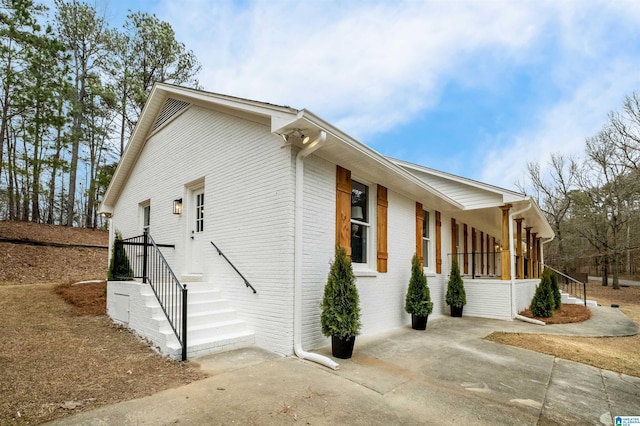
(445, 375)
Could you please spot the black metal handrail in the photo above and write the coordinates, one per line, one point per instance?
(571, 284)
(140, 257)
(220, 253)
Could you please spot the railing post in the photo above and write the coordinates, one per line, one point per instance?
(184, 323)
(145, 256)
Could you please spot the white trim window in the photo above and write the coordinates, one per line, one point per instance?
(360, 222)
(146, 216)
(426, 239)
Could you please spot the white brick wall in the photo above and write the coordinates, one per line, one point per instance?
(381, 295)
(249, 198)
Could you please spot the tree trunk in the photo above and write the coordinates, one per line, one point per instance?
(605, 271)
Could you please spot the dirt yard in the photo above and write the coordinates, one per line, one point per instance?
(618, 354)
(59, 358)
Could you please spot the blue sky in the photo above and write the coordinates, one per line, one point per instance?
(475, 88)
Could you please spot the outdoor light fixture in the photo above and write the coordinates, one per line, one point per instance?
(304, 138)
(177, 206)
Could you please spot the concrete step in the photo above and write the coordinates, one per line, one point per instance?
(211, 317)
(215, 344)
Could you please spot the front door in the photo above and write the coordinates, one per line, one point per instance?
(197, 229)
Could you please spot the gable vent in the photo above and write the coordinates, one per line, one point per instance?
(171, 108)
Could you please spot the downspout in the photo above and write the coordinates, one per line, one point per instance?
(297, 289)
(548, 240)
(512, 262)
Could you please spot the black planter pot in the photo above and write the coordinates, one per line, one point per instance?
(418, 322)
(342, 348)
(456, 312)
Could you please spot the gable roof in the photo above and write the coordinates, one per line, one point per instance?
(439, 190)
(475, 196)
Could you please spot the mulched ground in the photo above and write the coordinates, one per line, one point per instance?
(60, 352)
(566, 314)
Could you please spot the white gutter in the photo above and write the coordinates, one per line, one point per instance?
(512, 260)
(297, 286)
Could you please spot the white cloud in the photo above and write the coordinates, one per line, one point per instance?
(365, 66)
(369, 67)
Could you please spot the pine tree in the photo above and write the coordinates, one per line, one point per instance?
(456, 296)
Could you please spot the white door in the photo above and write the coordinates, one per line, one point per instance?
(197, 230)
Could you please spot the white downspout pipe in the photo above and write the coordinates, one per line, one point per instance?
(512, 260)
(548, 240)
(297, 286)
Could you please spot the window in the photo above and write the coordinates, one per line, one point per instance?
(360, 221)
(146, 217)
(426, 239)
(200, 212)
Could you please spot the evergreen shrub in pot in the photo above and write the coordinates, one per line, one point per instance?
(456, 296)
(418, 301)
(340, 317)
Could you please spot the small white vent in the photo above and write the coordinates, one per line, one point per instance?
(171, 107)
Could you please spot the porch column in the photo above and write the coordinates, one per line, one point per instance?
(520, 264)
(505, 254)
(528, 229)
(534, 256)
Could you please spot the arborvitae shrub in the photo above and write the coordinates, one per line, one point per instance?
(119, 265)
(418, 300)
(542, 303)
(340, 304)
(456, 295)
(555, 289)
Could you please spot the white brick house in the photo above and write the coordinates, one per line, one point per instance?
(276, 203)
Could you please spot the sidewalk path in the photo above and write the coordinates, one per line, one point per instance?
(447, 374)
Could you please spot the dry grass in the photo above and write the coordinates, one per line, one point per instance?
(618, 354)
(60, 358)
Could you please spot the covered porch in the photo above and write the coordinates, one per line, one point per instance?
(500, 251)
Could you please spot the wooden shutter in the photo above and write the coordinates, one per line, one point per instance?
(383, 205)
(343, 208)
(438, 244)
(466, 249)
(419, 225)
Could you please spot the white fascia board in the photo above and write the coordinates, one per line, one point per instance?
(306, 116)
(508, 195)
(232, 102)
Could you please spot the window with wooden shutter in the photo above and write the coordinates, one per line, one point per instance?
(438, 244)
(419, 232)
(343, 208)
(383, 206)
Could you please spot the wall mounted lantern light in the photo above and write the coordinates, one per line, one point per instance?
(177, 206)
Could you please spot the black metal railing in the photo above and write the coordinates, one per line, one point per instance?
(140, 257)
(571, 285)
(480, 264)
(246, 282)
